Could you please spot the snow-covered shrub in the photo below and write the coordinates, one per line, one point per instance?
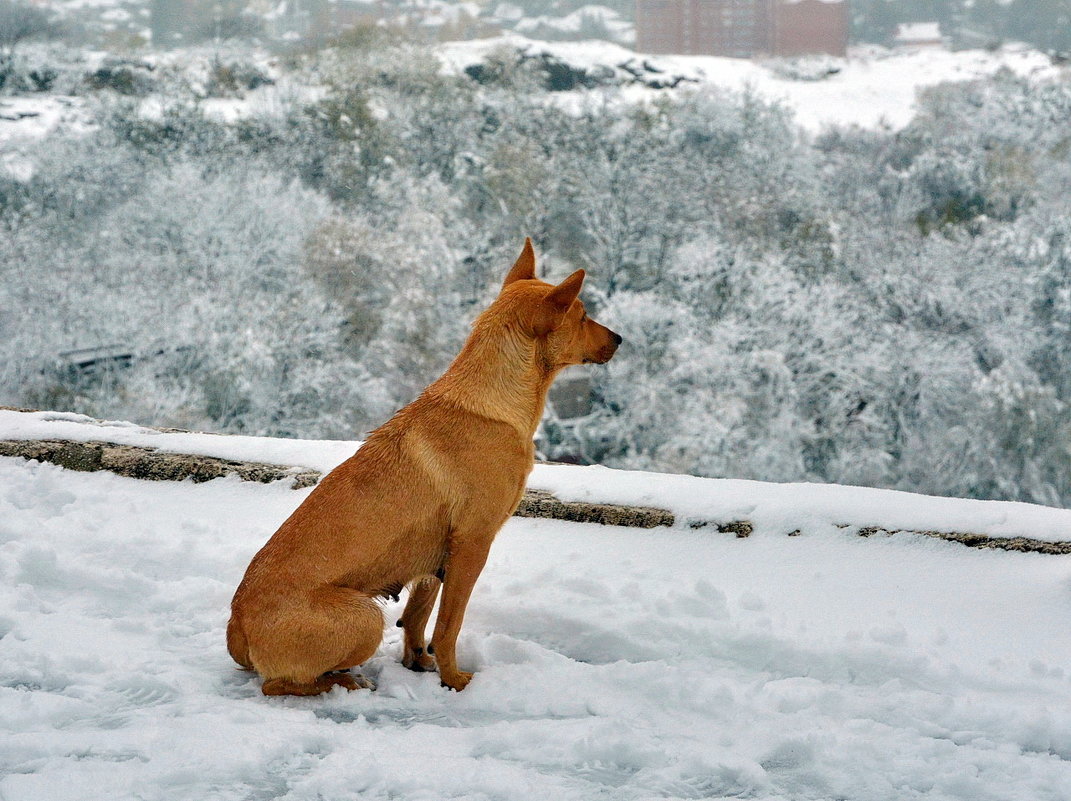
(234, 78)
(19, 22)
(1005, 435)
(805, 68)
(122, 76)
(949, 188)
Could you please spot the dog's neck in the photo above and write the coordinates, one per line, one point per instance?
(501, 376)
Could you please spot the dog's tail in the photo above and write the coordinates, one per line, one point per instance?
(237, 643)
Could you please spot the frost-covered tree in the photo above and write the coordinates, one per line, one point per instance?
(19, 22)
(860, 307)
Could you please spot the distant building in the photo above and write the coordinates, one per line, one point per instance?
(811, 26)
(742, 28)
(918, 35)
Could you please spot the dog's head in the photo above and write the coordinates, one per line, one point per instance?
(555, 315)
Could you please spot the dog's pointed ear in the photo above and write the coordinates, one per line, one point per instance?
(524, 267)
(557, 303)
(563, 295)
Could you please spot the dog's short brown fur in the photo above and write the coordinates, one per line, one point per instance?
(417, 506)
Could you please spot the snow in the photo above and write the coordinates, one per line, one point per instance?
(264, 102)
(30, 117)
(913, 32)
(117, 15)
(611, 663)
(874, 88)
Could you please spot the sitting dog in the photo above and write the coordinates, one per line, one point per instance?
(417, 506)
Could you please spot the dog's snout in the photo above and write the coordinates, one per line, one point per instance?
(617, 337)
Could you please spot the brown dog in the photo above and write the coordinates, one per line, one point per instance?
(417, 506)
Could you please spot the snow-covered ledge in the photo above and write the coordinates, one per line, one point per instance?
(592, 494)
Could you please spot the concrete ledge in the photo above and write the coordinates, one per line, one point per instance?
(151, 464)
(1019, 544)
(540, 503)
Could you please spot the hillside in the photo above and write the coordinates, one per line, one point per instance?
(873, 88)
(611, 662)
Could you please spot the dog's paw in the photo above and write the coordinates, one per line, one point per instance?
(458, 681)
(321, 684)
(357, 682)
(416, 659)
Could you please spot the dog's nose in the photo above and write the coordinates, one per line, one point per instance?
(617, 338)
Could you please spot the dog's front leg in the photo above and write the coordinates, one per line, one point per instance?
(463, 567)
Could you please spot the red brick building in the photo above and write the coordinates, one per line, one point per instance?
(742, 28)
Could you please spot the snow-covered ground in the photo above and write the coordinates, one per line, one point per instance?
(611, 663)
(28, 118)
(872, 88)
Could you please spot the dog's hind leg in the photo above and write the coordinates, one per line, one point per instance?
(320, 684)
(236, 643)
(302, 650)
(415, 654)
